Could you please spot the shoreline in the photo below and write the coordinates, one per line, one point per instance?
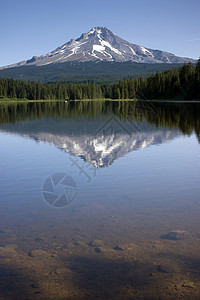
(4, 101)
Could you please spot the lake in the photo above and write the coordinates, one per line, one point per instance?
(99, 200)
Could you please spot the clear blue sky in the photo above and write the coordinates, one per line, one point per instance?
(36, 27)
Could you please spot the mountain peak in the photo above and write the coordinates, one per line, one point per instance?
(96, 31)
(96, 28)
(100, 44)
(99, 28)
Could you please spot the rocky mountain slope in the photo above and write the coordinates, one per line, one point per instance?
(100, 44)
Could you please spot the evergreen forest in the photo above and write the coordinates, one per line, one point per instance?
(180, 84)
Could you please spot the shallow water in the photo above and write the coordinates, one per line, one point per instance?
(131, 175)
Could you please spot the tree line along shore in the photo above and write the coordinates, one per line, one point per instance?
(180, 83)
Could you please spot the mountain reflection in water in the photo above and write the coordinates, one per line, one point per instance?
(100, 131)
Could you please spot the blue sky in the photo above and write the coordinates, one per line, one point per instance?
(30, 28)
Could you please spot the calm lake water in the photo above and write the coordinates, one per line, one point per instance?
(99, 200)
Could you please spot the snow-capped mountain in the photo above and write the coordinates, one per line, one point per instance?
(100, 44)
(96, 144)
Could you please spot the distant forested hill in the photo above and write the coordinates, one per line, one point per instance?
(84, 72)
(181, 83)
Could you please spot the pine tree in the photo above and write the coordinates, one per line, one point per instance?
(197, 79)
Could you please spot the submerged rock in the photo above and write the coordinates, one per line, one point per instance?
(61, 271)
(118, 248)
(96, 243)
(189, 285)
(37, 239)
(98, 250)
(174, 235)
(36, 253)
(35, 285)
(161, 269)
(7, 251)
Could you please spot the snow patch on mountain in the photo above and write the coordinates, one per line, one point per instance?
(144, 50)
(132, 50)
(98, 48)
(107, 44)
